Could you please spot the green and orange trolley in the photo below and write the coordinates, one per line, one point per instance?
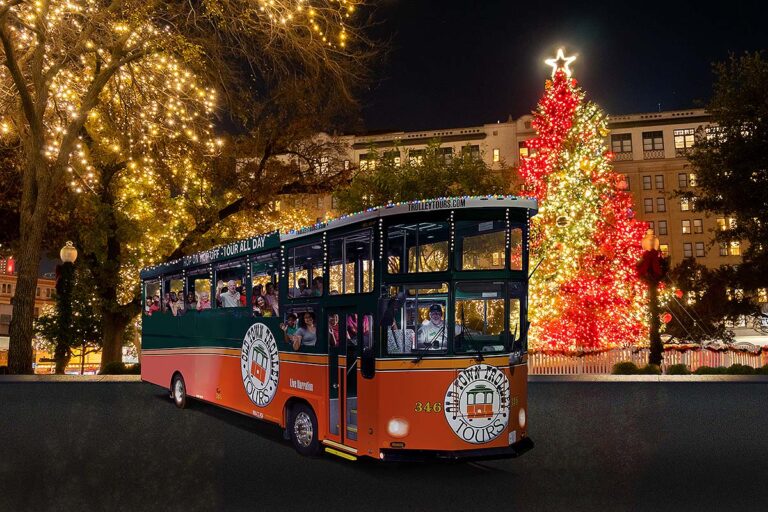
(398, 333)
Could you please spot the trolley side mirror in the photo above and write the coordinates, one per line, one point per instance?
(368, 363)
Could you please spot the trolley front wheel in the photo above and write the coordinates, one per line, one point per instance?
(179, 391)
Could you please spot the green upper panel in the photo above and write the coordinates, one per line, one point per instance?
(272, 240)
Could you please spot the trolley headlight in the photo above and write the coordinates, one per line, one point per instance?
(397, 427)
(521, 417)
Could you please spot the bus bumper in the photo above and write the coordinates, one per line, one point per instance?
(513, 450)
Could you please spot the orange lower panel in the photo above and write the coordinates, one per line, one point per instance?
(431, 401)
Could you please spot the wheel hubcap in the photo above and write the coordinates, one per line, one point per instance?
(302, 429)
(178, 391)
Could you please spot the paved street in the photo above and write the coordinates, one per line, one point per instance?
(599, 446)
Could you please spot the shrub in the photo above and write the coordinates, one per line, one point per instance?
(740, 369)
(624, 368)
(116, 368)
(710, 370)
(759, 371)
(134, 369)
(4, 370)
(678, 369)
(651, 369)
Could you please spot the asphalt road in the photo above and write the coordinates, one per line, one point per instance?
(599, 446)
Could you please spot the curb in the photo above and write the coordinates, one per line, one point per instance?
(649, 378)
(70, 378)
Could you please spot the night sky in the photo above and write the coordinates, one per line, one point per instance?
(455, 63)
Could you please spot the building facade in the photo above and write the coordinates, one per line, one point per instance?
(649, 149)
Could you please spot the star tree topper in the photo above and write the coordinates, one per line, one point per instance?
(560, 62)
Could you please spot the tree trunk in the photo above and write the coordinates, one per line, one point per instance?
(21, 332)
(62, 355)
(113, 326)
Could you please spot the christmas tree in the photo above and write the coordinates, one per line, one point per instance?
(585, 293)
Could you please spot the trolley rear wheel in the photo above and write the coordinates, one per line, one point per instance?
(303, 430)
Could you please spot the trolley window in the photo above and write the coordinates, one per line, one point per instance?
(480, 245)
(230, 280)
(173, 295)
(419, 320)
(351, 263)
(305, 265)
(418, 247)
(265, 273)
(516, 248)
(479, 317)
(151, 297)
(198, 289)
(300, 330)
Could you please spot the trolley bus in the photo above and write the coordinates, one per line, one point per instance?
(398, 333)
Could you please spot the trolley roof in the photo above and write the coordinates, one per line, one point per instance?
(272, 240)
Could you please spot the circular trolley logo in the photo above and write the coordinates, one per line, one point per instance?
(477, 403)
(259, 364)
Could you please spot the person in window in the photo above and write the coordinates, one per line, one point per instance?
(176, 306)
(204, 302)
(302, 291)
(333, 330)
(317, 286)
(191, 301)
(432, 334)
(154, 305)
(229, 296)
(289, 328)
(261, 308)
(241, 292)
(399, 341)
(166, 305)
(272, 300)
(307, 334)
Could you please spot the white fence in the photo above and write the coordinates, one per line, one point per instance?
(602, 362)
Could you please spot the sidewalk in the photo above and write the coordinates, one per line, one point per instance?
(531, 378)
(70, 378)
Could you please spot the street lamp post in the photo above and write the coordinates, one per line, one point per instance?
(65, 273)
(652, 270)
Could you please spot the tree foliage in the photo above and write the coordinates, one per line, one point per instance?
(731, 162)
(116, 99)
(384, 178)
(706, 302)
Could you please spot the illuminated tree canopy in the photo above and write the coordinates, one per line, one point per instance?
(585, 293)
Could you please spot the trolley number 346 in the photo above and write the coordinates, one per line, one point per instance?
(428, 407)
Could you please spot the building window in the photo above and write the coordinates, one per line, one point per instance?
(334, 202)
(646, 183)
(685, 204)
(653, 141)
(734, 249)
(346, 165)
(648, 205)
(683, 139)
(721, 225)
(496, 155)
(687, 250)
(692, 179)
(699, 249)
(523, 150)
(686, 227)
(621, 143)
(660, 181)
(472, 150)
(682, 180)
(37, 292)
(650, 224)
(723, 249)
(661, 204)
(664, 248)
(416, 156)
(629, 184)
(698, 226)
(762, 295)
(662, 227)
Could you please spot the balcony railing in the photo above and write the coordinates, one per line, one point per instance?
(682, 151)
(622, 156)
(653, 154)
